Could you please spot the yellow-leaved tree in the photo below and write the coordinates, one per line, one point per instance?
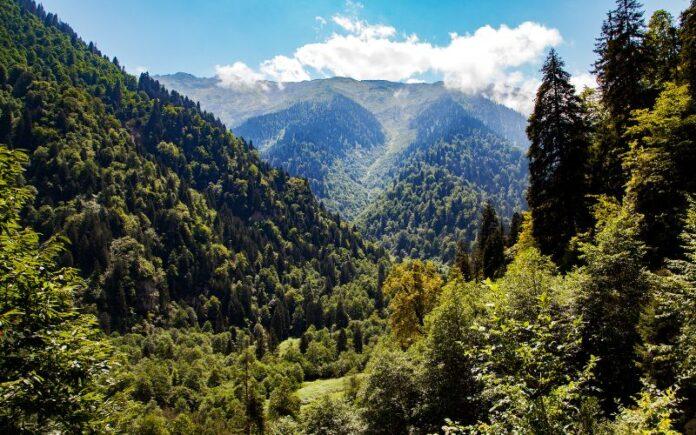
(413, 287)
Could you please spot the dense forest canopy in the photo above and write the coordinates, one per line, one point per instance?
(157, 277)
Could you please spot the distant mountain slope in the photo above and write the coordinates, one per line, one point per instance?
(455, 164)
(329, 142)
(167, 213)
(413, 118)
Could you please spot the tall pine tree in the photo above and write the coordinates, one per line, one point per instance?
(557, 162)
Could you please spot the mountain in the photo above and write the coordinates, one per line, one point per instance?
(455, 164)
(329, 142)
(166, 213)
(381, 129)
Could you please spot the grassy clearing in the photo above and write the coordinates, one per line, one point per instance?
(335, 387)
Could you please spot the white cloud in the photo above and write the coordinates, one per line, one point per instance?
(284, 69)
(487, 61)
(237, 75)
(583, 80)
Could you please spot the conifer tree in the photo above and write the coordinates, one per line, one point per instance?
(687, 37)
(614, 288)
(661, 51)
(462, 262)
(489, 253)
(515, 228)
(357, 339)
(621, 60)
(620, 70)
(341, 341)
(557, 162)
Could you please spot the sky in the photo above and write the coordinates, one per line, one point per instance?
(491, 46)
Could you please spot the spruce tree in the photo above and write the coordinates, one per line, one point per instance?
(620, 70)
(489, 253)
(357, 338)
(687, 37)
(515, 228)
(621, 60)
(462, 262)
(341, 341)
(557, 162)
(661, 51)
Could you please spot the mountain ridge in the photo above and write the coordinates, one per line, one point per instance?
(410, 116)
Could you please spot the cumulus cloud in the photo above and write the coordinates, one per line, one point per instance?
(284, 69)
(487, 61)
(237, 75)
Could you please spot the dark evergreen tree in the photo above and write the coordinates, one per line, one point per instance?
(357, 338)
(341, 318)
(515, 228)
(341, 341)
(620, 70)
(489, 253)
(6, 125)
(661, 51)
(462, 262)
(621, 62)
(557, 162)
(304, 342)
(687, 37)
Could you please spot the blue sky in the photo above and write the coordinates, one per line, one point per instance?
(205, 37)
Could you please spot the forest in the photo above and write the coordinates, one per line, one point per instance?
(157, 277)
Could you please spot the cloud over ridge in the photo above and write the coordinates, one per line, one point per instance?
(487, 61)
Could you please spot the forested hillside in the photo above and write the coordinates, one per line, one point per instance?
(330, 143)
(454, 166)
(163, 208)
(157, 278)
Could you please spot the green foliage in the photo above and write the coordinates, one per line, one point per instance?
(651, 415)
(660, 162)
(329, 416)
(51, 353)
(283, 401)
(613, 289)
(489, 256)
(620, 69)
(687, 38)
(662, 50)
(391, 393)
(449, 384)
